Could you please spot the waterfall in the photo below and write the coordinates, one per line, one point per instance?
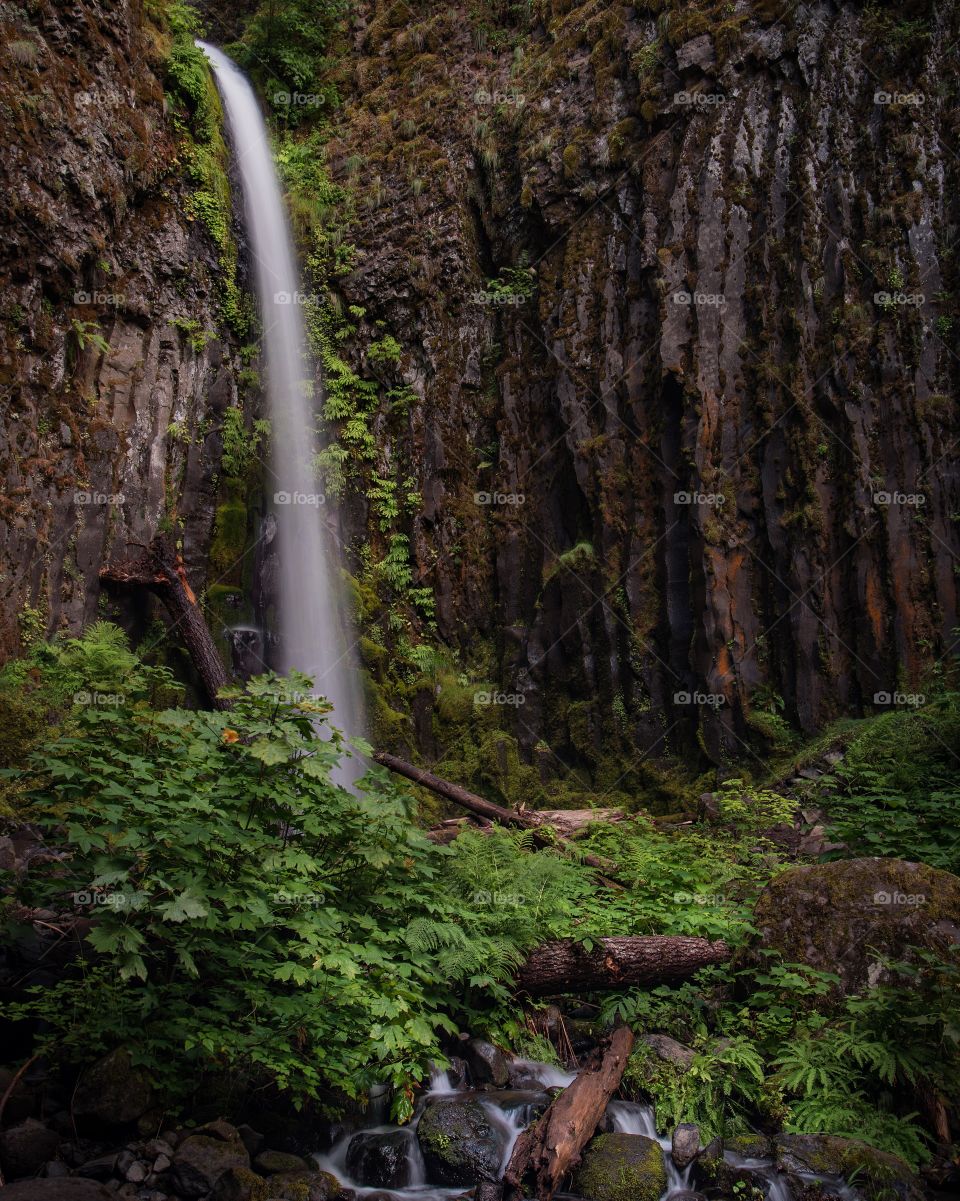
(312, 625)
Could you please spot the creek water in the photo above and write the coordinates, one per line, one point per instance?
(312, 624)
(509, 1112)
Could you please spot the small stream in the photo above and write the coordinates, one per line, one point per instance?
(510, 1111)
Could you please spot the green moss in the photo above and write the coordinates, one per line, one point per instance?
(621, 1167)
(229, 537)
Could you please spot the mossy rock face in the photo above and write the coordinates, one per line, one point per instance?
(844, 916)
(750, 1146)
(621, 1167)
(459, 1143)
(880, 1176)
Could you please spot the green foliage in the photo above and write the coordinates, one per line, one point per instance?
(241, 446)
(898, 786)
(386, 350)
(284, 48)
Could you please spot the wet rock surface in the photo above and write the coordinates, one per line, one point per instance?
(621, 1167)
(459, 1143)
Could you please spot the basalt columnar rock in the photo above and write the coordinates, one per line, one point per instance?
(690, 455)
(117, 363)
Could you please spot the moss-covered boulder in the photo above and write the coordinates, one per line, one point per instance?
(621, 1167)
(459, 1143)
(879, 1175)
(112, 1092)
(845, 916)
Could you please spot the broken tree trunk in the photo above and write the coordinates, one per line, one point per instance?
(530, 820)
(160, 568)
(548, 1151)
(565, 965)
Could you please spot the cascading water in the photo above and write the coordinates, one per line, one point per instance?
(313, 630)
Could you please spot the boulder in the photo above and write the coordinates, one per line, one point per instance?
(306, 1186)
(24, 1149)
(749, 1146)
(880, 1175)
(202, 1159)
(487, 1063)
(621, 1167)
(272, 1163)
(460, 1144)
(112, 1092)
(381, 1159)
(844, 916)
(685, 1144)
(669, 1050)
(63, 1188)
(241, 1184)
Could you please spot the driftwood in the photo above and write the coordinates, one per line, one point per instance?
(160, 568)
(547, 1152)
(565, 966)
(527, 820)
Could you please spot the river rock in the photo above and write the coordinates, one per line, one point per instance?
(460, 1144)
(24, 1149)
(241, 1184)
(621, 1167)
(487, 1063)
(308, 1186)
(880, 1175)
(202, 1159)
(273, 1163)
(843, 916)
(685, 1144)
(381, 1159)
(112, 1092)
(61, 1189)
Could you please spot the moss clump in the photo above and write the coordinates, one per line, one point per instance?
(621, 1167)
(229, 537)
(572, 161)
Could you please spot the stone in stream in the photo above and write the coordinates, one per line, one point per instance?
(487, 1063)
(381, 1159)
(685, 1144)
(460, 1144)
(879, 1175)
(242, 1184)
(621, 1167)
(272, 1163)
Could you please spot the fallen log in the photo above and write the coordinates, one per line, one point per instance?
(548, 1151)
(566, 966)
(530, 820)
(160, 569)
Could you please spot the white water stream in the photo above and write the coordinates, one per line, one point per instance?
(312, 625)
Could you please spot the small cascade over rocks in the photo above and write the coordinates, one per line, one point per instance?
(462, 1137)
